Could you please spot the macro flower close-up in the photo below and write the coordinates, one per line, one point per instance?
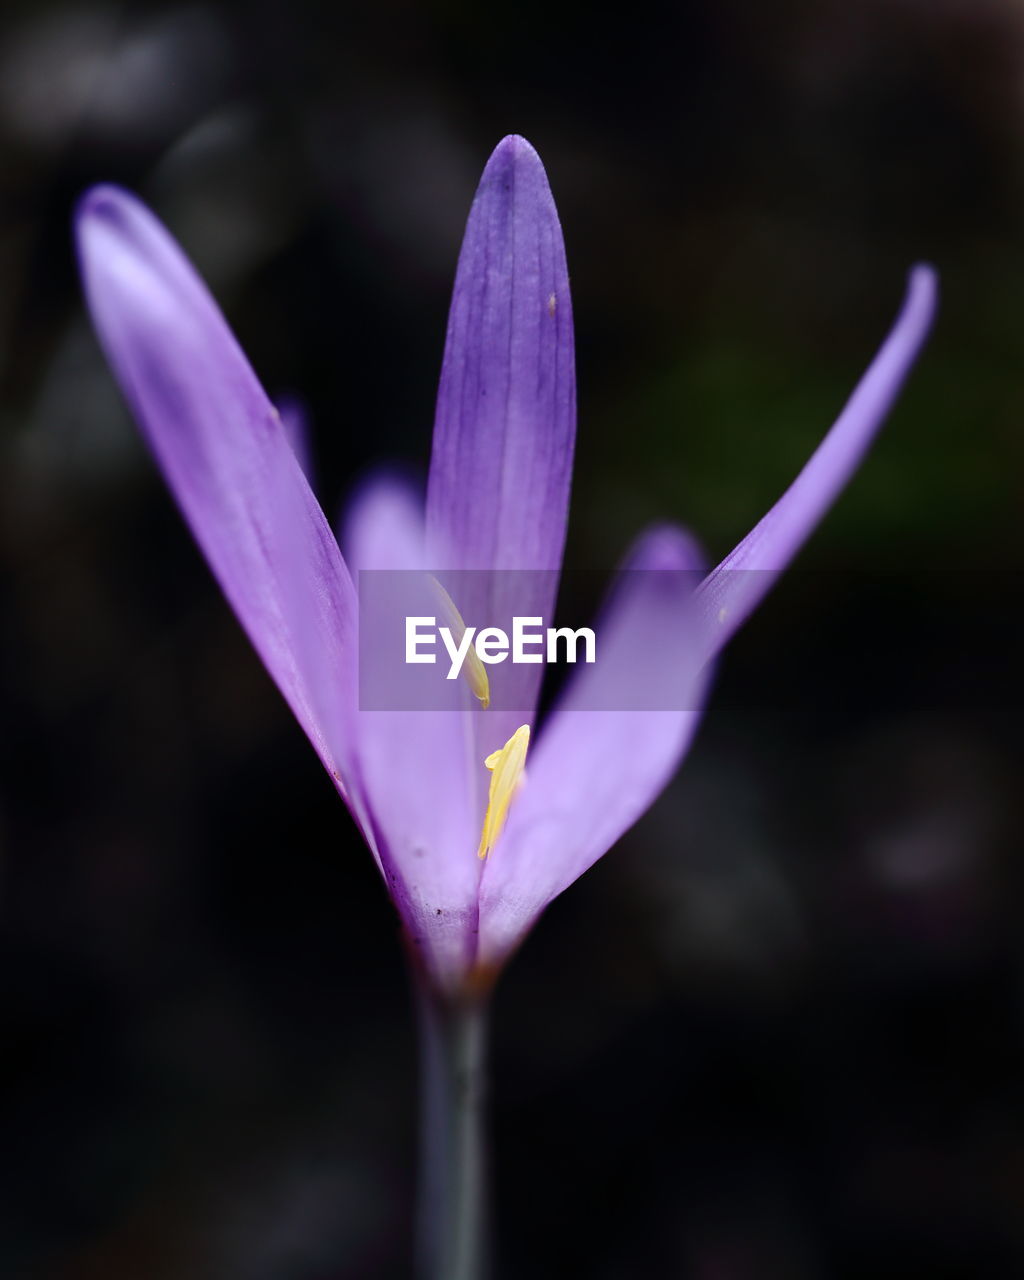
(476, 817)
(594, 435)
(497, 500)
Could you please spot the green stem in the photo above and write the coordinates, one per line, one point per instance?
(453, 1175)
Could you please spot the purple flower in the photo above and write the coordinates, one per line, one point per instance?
(497, 498)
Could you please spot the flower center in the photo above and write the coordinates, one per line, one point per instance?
(506, 766)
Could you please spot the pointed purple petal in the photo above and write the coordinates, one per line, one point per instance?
(414, 765)
(501, 466)
(745, 576)
(506, 410)
(595, 770)
(226, 458)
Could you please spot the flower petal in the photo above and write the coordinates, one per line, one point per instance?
(295, 421)
(595, 771)
(601, 759)
(227, 460)
(415, 765)
(505, 427)
(739, 584)
(383, 527)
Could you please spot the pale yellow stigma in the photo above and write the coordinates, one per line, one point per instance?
(506, 766)
(473, 669)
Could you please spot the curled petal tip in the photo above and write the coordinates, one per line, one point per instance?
(116, 233)
(102, 201)
(922, 275)
(667, 547)
(92, 200)
(923, 291)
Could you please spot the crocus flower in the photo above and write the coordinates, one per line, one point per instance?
(497, 499)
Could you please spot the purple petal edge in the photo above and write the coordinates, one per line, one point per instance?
(505, 426)
(225, 456)
(414, 764)
(295, 421)
(737, 586)
(598, 766)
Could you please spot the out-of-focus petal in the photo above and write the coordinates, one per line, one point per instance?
(295, 421)
(739, 584)
(505, 427)
(415, 764)
(382, 526)
(604, 755)
(224, 453)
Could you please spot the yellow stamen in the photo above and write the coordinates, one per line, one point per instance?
(473, 669)
(506, 766)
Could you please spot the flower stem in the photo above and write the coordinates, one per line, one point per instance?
(453, 1175)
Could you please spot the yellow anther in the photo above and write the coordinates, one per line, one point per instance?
(506, 766)
(473, 669)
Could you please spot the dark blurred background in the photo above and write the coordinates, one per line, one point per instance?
(777, 1033)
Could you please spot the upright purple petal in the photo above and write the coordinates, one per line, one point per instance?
(506, 409)
(225, 455)
(601, 758)
(745, 576)
(501, 466)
